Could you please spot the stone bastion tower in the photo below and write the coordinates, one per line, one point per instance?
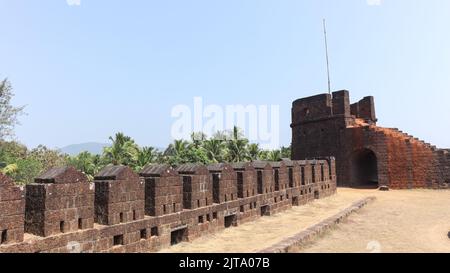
(366, 155)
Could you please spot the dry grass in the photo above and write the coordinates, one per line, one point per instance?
(398, 221)
(267, 231)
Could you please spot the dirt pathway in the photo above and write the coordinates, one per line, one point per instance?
(266, 231)
(398, 221)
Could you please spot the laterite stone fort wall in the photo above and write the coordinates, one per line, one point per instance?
(122, 211)
(365, 153)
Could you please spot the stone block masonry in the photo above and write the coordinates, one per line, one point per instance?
(122, 211)
(61, 200)
(366, 154)
(119, 196)
(12, 211)
(197, 187)
(163, 190)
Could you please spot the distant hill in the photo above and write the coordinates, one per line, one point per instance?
(92, 147)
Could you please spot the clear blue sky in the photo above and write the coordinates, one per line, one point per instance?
(87, 71)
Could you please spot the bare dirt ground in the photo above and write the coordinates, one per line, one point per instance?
(398, 221)
(266, 231)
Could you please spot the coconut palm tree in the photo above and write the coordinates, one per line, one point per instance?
(274, 155)
(198, 139)
(286, 152)
(237, 147)
(214, 149)
(145, 156)
(177, 148)
(254, 151)
(122, 151)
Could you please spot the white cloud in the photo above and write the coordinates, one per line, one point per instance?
(374, 2)
(73, 2)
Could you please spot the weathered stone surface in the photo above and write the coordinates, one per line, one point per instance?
(60, 201)
(61, 212)
(12, 211)
(119, 196)
(366, 155)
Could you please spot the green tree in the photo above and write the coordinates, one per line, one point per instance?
(274, 155)
(198, 139)
(215, 150)
(254, 151)
(27, 169)
(48, 158)
(8, 113)
(286, 152)
(237, 146)
(123, 151)
(145, 156)
(181, 151)
(177, 148)
(11, 151)
(22, 165)
(87, 163)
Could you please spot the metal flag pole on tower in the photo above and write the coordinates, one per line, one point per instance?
(326, 53)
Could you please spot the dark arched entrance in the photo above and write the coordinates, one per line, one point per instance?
(364, 169)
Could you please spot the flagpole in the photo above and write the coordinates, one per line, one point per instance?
(326, 53)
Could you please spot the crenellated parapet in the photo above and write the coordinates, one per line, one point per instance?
(12, 211)
(197, 186)
(122, 211)
(163, 190)
(59, 201)
(119, 196)
(366, 155)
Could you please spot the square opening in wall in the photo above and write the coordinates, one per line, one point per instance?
(118, 240)
(62, 225)
(154, 232)
(80, 223)
(178, 236)
(4, 237)
(121, 217)
(214, 215)
(242, 210)
(230, 221)
(291, 178)
(240, 185)
(144, 233)
(208, 217)
(265, 210)
(216, 187)
(200, 219)
(259, 182)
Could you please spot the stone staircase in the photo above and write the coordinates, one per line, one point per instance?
(418, 151)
